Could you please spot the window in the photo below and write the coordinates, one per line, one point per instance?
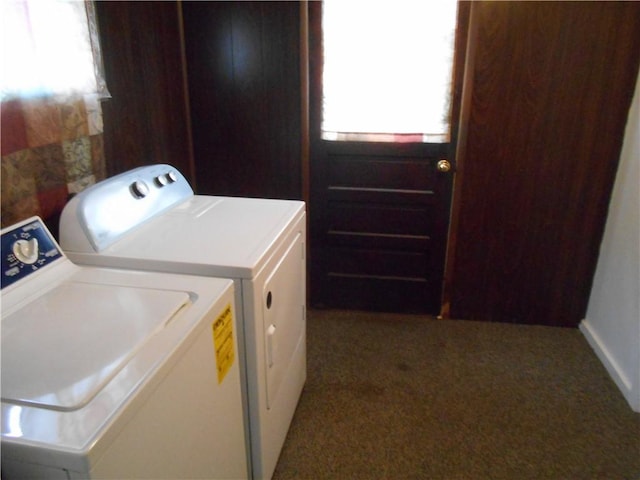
(387, 70)
(50, 48)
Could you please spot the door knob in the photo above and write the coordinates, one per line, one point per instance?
(443, 166)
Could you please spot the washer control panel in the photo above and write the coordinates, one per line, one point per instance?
(26, 248)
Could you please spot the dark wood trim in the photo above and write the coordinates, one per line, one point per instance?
(305, 167)
(463, 91)
(191, 161)
(459, 69)
(304, 99)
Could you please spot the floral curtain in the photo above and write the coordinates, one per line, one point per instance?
(52, 134)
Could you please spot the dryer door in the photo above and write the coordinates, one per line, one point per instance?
(283, 303)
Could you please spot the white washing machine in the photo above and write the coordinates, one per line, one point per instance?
(150, 219)
(116, 374)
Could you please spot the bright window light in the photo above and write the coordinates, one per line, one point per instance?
(387, 68)
(47, 49)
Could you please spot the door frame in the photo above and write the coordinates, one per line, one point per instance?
(461, 99)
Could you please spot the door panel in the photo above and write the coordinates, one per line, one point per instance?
(355, 218)
(405, 175)
(380, 241)
(382, 264)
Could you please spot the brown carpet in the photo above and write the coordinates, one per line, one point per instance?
(410, 397)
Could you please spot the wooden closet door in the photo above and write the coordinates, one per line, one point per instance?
(545, 104)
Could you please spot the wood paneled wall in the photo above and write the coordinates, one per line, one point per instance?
(547, 93)
(244, 84)
(146, 121)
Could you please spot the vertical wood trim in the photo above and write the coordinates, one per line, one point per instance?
(304, 99)
(304, 125)
(467, 41)
(191, 174)
(457, 77)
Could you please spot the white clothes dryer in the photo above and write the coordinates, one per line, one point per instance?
(112, 373)
(150, 219)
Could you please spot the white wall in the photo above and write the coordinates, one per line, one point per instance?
(612, 324)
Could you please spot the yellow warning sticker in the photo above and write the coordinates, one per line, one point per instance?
(223, 342)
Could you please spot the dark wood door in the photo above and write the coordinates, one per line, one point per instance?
(546, 100)
(379, 212)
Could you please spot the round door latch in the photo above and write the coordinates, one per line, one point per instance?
(443, 166)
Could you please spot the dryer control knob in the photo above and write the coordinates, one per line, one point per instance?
(139, 189)
(161, 180)
(171, 177)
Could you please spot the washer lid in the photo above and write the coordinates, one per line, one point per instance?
(59, 350)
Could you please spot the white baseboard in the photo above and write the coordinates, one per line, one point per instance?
(630, 391)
